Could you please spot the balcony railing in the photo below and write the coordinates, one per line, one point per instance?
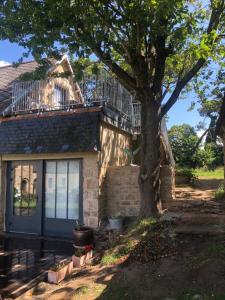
(62, 94)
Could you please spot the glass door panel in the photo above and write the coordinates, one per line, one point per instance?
(24, 190)
(23, 193)
(62, 196)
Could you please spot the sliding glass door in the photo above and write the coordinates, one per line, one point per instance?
(44, 197)
(63, 203)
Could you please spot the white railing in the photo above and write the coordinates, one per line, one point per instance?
(92, 90)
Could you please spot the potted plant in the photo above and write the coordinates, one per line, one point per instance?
(83, 235)
(59, 271)
(82, 255)
(116, 222)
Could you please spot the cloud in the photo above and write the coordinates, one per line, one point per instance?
(4, 63)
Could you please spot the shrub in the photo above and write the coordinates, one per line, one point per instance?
(188, 173)
(219, 193)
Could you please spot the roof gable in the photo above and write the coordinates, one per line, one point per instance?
(10, 74)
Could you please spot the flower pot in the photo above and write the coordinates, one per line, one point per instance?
(83, 236)
(79, 261)
(116, 223)
(59, 275)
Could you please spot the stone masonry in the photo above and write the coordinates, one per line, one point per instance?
(123, 196)
(90, 191)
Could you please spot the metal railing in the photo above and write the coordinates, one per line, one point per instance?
(93, 90)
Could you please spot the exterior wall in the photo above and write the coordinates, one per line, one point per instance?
(113, 141)
(123, 196)
(90, 182)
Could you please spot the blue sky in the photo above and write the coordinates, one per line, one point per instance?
(178, 114)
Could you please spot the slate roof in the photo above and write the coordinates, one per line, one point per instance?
(56, 133)
(8, 75)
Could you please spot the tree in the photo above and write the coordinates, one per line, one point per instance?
(153, 47)
(183, 140)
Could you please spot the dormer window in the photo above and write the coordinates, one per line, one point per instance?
(60, 96)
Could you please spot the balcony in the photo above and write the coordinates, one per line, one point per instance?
(64, 94)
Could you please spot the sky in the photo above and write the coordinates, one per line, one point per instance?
(178, 114)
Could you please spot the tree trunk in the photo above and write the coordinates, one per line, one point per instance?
(149, 182)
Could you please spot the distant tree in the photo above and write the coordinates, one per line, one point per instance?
(189, 153)
(183, 140)
(153, 47)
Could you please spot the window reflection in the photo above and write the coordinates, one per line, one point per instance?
(24, 190)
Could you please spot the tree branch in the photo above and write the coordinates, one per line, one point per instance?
(200, 139)
(126, 80)
(159, 64)
(213, 24)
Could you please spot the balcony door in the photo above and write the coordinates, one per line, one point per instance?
(24, 205)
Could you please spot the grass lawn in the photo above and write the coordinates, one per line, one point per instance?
(216, 174)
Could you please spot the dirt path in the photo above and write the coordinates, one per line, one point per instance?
(204, 189)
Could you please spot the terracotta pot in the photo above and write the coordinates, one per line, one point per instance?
(79, 261)
(58, 276)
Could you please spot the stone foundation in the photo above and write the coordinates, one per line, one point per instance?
(122, 189)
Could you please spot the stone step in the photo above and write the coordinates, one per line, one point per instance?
(211, 230)
(194, 218)
(202, 218)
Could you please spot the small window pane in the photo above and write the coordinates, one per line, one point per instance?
(50, 188)
(73, 190)
(61, 194)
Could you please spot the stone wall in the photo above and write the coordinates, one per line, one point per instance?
(123, 196)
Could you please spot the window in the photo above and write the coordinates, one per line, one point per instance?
(62, 181)
(60, 95)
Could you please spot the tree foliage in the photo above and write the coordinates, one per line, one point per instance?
(189, 153)
(183, 140)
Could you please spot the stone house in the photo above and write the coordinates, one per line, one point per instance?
(58, 141)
